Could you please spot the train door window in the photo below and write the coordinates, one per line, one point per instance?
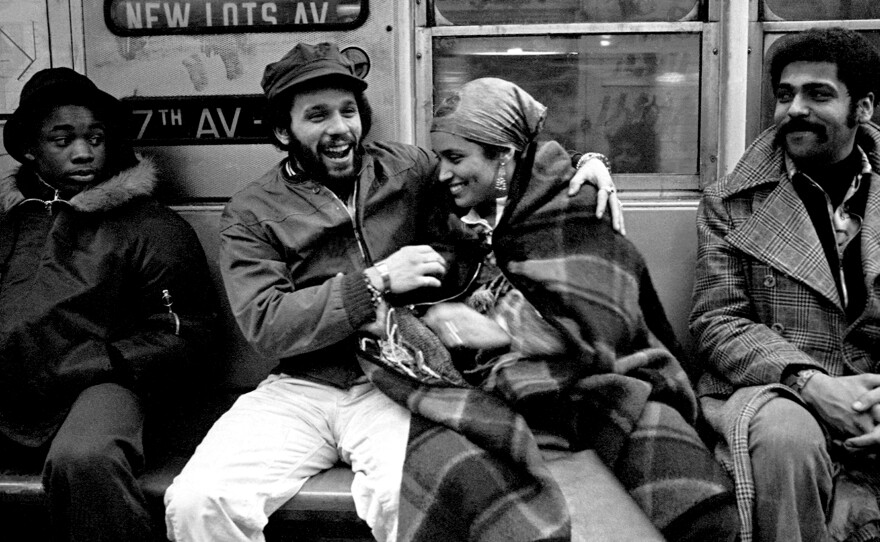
(470, 12)
(819, 10)
(633, 92)
(25, 48)
(635, 98)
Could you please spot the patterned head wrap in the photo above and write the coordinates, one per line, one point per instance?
(491, 111)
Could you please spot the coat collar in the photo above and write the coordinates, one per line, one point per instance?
(139, 180)
(779, 231)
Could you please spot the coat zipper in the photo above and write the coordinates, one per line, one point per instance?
(362, 246)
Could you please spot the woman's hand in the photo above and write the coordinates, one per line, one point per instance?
(594, 172)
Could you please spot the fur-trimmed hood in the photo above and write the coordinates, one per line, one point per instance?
(139, 180)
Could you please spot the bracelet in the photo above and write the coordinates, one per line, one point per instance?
(382, 268)
(375, 294)
(802, 377)
(587, 156)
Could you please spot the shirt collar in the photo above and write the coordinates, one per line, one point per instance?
(472, 218)
(792, 169)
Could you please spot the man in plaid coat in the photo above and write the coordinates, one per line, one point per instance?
(787, 301)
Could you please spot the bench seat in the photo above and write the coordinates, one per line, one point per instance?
(323, 511)
(324, 507)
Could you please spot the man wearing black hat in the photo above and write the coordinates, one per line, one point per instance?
(96, 305)
(306, 252)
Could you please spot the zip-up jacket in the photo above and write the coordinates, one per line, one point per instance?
(83, 296)
(292, 255)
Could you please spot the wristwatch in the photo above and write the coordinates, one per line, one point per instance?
(802, 377)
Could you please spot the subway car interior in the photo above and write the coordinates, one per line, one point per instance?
(671, 91)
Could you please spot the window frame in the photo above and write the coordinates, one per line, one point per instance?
(641, 185)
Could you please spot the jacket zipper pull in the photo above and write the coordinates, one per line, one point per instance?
(168, 301)
(53, 200)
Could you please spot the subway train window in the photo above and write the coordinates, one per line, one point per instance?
(819, 10)
(471, 12)
(634, 97)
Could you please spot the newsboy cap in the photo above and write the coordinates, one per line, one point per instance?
(308, 63)
(50, 87)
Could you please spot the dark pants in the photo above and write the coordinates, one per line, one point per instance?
(90, 469)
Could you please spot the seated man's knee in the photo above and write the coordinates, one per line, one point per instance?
(785, 431)
(191, 506)
(82, 459)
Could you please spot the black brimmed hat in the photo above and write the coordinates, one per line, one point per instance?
(55, 86)
(308, 63)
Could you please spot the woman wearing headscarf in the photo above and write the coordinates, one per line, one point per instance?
(560, 345)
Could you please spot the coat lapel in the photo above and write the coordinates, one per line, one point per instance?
(780, 234)
(871, 238)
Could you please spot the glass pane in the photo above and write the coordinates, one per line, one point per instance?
(633, 97)
(768, 102)
(819, 10)
(469, 12)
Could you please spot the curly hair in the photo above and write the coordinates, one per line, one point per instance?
(857, 61)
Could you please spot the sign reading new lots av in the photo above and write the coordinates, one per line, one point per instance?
(157, 17)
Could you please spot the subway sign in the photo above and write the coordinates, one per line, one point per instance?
(204, 120)
(162, 17)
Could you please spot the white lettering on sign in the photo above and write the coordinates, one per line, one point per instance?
(179, 14)
(270, 18)
(148, 10)
(249, 6)
(207, 126)
(174, 17)
(175, 117)
(302, 18)
(148, 114)
(206, 116)
(230, 14)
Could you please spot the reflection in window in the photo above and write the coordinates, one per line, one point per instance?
(634, 98)
(768, 100)
(819, 10)
(470, 12)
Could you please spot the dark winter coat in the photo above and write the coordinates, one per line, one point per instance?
(82, 296)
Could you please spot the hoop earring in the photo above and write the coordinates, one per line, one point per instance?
(501, 180)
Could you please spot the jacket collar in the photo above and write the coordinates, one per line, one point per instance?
(139, 180)
(779, 231)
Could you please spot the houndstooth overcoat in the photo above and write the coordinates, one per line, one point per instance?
(765, 296)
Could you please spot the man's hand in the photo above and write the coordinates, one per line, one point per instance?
(594, 172)
(834, 399)
(869, 404)
(376, 328)
(410, 268)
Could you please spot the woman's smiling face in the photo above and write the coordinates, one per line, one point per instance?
(468, 174)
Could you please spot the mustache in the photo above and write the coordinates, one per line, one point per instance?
(799, 125)
(341, 140)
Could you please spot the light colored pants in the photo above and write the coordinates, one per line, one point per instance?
(260, 453)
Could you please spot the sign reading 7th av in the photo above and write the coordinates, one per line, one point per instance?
(197, 121)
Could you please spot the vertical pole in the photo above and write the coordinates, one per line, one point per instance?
(733, 88)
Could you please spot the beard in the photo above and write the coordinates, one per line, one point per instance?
(312, 163)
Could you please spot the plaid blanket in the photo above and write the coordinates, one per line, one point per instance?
(474, 469)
